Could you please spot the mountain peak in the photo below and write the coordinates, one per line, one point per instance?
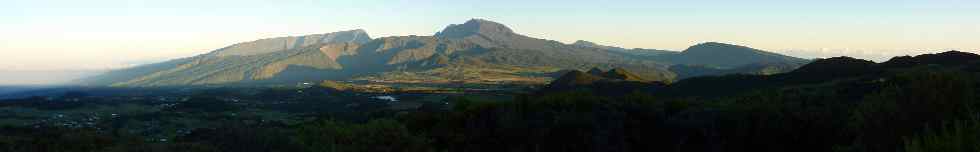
(730, 55)
(584, 43)
(707, 45)
(474, 27)
(354, 31)
(712, 48)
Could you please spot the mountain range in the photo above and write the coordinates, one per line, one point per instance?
(478, 51)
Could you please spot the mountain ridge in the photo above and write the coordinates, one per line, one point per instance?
(269, 45)
(477, 43)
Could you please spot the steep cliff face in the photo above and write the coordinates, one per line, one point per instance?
(270, 45)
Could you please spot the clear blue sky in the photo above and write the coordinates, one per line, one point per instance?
(72, 34)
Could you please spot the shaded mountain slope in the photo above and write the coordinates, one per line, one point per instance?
(727, 56)
(617, 81)
(260, 59)
(476, 43)
(622, 74)
(575, 78)
(270, 45)
(112, 77)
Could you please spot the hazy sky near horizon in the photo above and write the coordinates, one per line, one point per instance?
(104, 34)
